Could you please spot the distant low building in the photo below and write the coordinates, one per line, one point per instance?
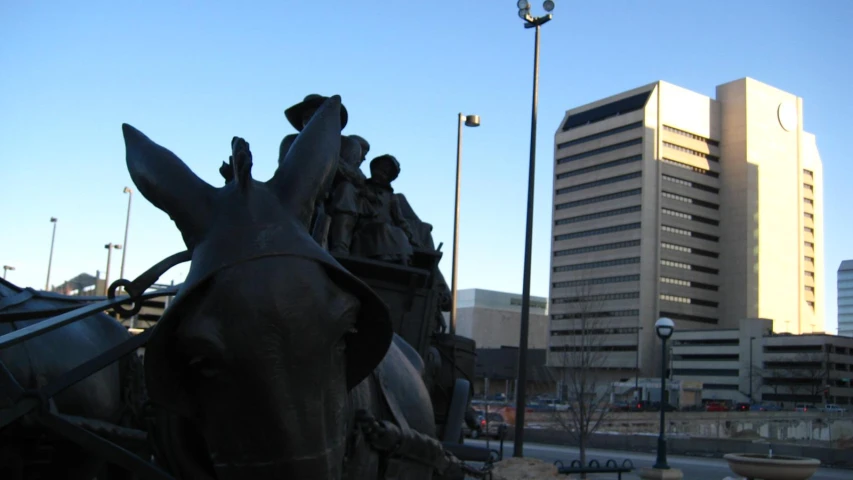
(493, 319)
(845, 298)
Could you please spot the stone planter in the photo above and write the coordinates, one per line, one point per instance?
(778, 467)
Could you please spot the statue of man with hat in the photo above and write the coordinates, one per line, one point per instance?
(348, 193)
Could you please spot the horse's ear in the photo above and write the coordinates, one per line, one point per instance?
(169, 184)
(309, 162)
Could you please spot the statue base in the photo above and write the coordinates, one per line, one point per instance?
(659, 474)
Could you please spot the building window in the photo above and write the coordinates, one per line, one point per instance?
(691, 301)
(808, 215)
(808, 230)
(592, 216)
(601, 264)
(809, 303)
(808, 244)
(596, 136)
(588, 315)
(688, 283)
(809, 289)
(598, 183)
(688, 233)
(691, 135)
(689, 318)
(703, 372)
(690, 167)
(597, 281)
(688, 216)
(808, 173)
(696, 251)
(690, 151)
(598, 151)
(808, 259)
(597, 248)
(809, 274)
(600, 166)
(808, 201)
(600, 198)
(692, 201)
(808, 187)
(596, 298)
(688, 183)
(686, 266)
(598, 231)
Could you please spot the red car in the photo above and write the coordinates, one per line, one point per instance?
(716, 407)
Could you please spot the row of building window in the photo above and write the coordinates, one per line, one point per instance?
(594, 348)
(707, 141)
(597, 281)
(695, 251)
(598, 231)
(690, 151)
(687, 266)
(597, 298)
(692, 201)
(597, 151)
(688, 283)
(600, 166)
(598, 183)
(688, 183)
(690, 301)
(596, 136)
(601, 264)
(592, 216)
(608, 314)
(690, 167)
(594, 331)
(600, 198)
(689, 216)
(688, 233)
(597, 248)
(705, 372)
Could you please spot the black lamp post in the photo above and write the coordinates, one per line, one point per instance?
(751, 380)
(110, 247)
(468, 121)
(664, 328)
(529, 22)
(53, 220)
(129, 193)
(7, 268)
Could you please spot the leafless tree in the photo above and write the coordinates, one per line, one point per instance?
(578, 354)
(804, 375)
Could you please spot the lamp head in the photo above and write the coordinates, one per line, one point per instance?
(127, 190)
(548, 5)
(472, 120)
(523, 5)
(53, 220)
(664, 327)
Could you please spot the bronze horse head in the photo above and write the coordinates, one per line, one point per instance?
(269, 333)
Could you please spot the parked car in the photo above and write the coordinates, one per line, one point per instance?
(620, 407)
(833, 408)
(742, 407)
(765, 407)
(803, 407)
(716, 407)
(656, 406)
(489, 424)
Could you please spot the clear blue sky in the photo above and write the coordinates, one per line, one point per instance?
(193, 74)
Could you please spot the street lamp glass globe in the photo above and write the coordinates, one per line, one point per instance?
(523, 5)
(523, 13)
(472, 120)
(664, 327)
(548, 5)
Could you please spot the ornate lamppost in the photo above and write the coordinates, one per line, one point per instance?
(664, 328)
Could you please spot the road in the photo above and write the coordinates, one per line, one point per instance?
(694, 468)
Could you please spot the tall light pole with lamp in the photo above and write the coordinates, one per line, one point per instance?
(468, 121)
(54, 221)
(109, 247)
(7, 268)
(529, 22)
(664, 328)
(129, 193)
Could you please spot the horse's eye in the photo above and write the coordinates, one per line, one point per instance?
(203, 366)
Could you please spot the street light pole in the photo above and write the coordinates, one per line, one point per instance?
(751, 381)
(637, 367)
(520, 404)
(129, 193)
(53, 220)
(470, 121)
(109, 247)
(664, 328)
(7, 268)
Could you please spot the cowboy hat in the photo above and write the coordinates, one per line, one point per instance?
(311, 102)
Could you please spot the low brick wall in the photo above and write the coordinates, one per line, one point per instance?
(705, 447)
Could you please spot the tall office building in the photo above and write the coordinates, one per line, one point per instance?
(671, 203)
(845, 298)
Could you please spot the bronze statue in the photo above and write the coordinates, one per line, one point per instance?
(382, 233)
(348, 190)
(273, 361)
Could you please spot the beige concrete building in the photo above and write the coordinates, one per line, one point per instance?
(671, 203)
(493, 319)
